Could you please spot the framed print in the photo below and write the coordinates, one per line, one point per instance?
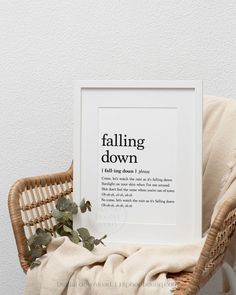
(137, 159)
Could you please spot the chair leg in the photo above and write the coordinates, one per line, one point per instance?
(229, 278)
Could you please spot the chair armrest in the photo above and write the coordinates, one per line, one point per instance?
(30, 202)
(217, 242)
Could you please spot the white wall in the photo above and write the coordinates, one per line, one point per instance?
(45, 45)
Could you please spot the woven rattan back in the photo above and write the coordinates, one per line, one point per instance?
(31, 201)
(218, 240)
(212, 256)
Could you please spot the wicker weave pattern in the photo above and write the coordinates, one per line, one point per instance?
(215, 247)
(32, 199)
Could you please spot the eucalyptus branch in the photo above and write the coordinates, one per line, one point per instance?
(63, 213)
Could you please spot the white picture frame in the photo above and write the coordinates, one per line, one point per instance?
(140, 130)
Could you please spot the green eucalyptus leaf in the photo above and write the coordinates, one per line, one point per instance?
(31, 240)
(57, 228)
(88, 245)
(35, 240)
(67, 229)
(74, 208)
(69, 223)
(74, 237)
(63, 217)
(37, 252)
(67, 216)
(39, 231)
(63, 204)
(40, 238)
(64, 228)
(88, 205)
(61, 232)
(84, 233)
(96, 242)
(45, 238)
(56, 214)
(91, 239)
(82, 206)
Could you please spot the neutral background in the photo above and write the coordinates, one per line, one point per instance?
(45, 45)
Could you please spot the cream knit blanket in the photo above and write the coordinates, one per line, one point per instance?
(70, 269)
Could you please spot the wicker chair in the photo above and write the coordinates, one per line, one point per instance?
(32, 199)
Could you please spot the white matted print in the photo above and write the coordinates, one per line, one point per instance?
(137, 158)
